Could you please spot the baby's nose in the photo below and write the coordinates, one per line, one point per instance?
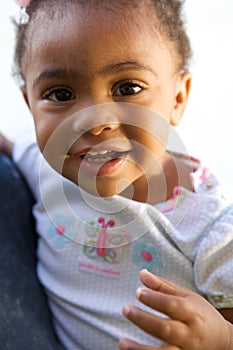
(97, 130)
(96, 120)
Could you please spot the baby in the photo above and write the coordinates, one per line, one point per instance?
(105, 82)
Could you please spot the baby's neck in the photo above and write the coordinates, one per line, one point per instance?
(159, 188)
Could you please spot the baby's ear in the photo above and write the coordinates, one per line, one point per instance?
(183, 86)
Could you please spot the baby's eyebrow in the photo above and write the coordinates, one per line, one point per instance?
(112, 68)
(126, 66)
(53, 72)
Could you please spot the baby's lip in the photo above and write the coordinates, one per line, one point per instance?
(101, 152)
(103, 149)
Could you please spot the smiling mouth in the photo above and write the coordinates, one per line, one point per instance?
(101, 157)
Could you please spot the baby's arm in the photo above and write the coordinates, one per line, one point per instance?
(6, 146)
(192, 323)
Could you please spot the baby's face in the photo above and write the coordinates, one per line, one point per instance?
(88, 58)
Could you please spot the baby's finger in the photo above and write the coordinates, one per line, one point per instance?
(177, 308)
(167, 330)
(128, 344)
(162, 285)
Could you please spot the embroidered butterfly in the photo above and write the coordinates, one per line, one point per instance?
(104, 244)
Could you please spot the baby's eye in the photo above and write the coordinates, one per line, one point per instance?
(127, 88)
(60, 95)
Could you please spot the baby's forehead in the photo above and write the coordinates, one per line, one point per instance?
(127, 36)
(144, 11)
(136, 19)
(121, 15)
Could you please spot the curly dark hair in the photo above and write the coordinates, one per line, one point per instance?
(169, 14)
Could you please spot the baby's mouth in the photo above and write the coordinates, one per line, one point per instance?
(103, 156)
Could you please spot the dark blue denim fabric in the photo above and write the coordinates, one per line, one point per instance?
(25, 321)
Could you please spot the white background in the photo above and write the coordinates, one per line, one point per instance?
(207, 126)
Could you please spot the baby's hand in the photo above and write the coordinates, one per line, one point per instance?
(6, 146)
(193, 323)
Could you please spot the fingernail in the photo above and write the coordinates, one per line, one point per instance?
(126, 310)
(145, 270)
(129, 310)
(125, 344)
(139, 292)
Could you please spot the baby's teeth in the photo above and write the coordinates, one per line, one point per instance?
(94, 153)
(100, 160)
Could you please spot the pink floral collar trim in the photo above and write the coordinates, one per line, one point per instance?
(198, 177)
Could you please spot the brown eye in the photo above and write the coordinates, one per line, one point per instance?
(127, 89)
(60, 95)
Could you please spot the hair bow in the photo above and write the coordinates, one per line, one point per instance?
(23, 3)
(24, 17)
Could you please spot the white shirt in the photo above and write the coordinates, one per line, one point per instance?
(188, 239)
